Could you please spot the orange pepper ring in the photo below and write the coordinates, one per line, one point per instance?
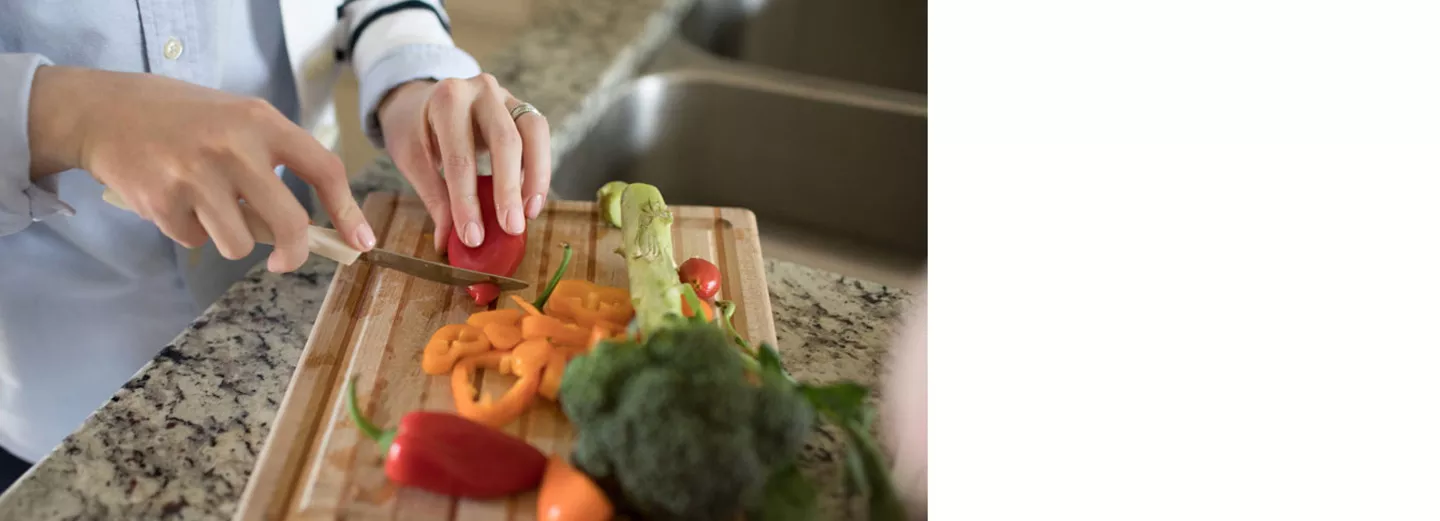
(497, 414)
(450, 343)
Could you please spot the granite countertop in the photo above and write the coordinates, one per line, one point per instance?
(180, 439)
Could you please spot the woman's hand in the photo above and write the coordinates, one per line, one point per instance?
(183, 156)
(435, 130)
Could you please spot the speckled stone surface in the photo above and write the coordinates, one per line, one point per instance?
(180, 439)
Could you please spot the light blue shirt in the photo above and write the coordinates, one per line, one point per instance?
(86, 299)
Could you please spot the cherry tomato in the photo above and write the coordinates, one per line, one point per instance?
(703, 275)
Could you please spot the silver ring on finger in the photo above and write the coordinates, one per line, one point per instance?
(523, 109)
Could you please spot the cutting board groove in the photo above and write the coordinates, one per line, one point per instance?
(374, 323)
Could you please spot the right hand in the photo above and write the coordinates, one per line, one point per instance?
(182, 156)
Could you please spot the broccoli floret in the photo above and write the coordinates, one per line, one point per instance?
(679, 425)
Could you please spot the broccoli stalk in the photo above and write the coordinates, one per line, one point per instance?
(655, 288)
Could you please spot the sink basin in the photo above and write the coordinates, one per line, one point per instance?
(880, 43)
(837, 181)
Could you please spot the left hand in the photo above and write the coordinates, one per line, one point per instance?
(434, 131)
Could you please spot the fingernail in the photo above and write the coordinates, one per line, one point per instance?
(532, 207)
(514, 222)
(366, 236)
(472, 236)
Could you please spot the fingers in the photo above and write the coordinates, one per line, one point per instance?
(503, 140)
(323, 170)
(419, 168)
(219, 212)
(276, 206)
(449, 117)
(185, 228)
(535, 134)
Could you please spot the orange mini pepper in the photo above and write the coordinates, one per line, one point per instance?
(480, 409)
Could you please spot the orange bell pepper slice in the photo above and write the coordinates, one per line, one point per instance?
(528, 307)
(554, 371)
(586, 303)
(503, 336)
(481, 409)
(530, 357)
(551, 328)
(499, 316)
(451, 343)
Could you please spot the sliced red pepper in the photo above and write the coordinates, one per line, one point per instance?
(450, 455)
(499, 254)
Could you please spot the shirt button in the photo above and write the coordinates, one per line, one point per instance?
(173, 48)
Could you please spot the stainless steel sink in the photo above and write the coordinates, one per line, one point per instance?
(835, 179)
(834, 170)
(875, 42)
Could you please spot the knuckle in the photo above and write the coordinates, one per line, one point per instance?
(490, 82)
(347, 212)
(292, 228)
(332, 170)
(160, 204)
(436, 201)
(456, 164)
(256, 109)
(450, 90)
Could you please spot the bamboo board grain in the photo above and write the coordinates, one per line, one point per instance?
(374, 324)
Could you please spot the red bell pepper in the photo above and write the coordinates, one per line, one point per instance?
(450, 455)
(499, 254)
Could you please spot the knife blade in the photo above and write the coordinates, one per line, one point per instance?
(326, 242)
(442, 273)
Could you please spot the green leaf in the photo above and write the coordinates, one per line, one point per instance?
(885, 504)
(842, 402)
(770, 359)
(788, 496)
(855, 480)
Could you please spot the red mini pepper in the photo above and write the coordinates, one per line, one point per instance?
(499, 254)
(450, 455)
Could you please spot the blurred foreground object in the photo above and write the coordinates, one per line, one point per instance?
(905, 404)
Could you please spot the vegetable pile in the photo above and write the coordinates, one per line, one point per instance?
(677, 416)
(686, 420)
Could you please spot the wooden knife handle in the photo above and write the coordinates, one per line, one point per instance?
(324, 242)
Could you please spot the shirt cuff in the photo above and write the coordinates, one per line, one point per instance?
(22, 201)
(406, 63)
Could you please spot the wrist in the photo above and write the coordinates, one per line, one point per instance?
(401, 91)
(54, 122)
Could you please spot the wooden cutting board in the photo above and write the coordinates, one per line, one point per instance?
(374, 323)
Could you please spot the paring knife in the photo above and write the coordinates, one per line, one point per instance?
(327, 243)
